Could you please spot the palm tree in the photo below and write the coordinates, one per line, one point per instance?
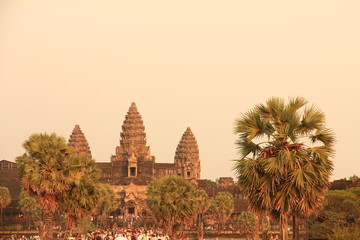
(222, 207)
(80, 200)
(43, 173)
(108, 201)
(246, 222)
(172, 203)
(5, 200)
(203, 205)
(285, 162)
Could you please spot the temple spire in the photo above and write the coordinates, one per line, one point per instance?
(133, 137)
(78, 141)
(187, 156)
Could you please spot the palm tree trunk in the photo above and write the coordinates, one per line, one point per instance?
(256, 229)
(296, 230)
(69, 227)
(49, 224)
(1, 217)
(268, 228)
(284, 227)
(200, 227)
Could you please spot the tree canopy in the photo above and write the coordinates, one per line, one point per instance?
(5, 200)
(31, 210)
(61, 180)
(222, 207)
(44, 173)
(246, 222)
(173, 203)
(340, 216)
(285, 157)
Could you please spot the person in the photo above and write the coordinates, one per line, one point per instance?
(133, 236)
(276, 237)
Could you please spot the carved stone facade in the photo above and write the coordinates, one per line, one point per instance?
(132, 167)
(133, 163)
(187, 160)
(78, 141)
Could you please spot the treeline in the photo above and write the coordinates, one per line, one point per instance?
(339, 217)
(56, 180)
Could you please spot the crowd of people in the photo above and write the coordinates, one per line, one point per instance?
(109, 234)
(121, 234)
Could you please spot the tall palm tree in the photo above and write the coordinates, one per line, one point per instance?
(285, 162)
(43, 173)
(222, 208)
(203, 205)
(172, 203)
(80, 200)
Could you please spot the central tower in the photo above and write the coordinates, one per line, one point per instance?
(132, 158)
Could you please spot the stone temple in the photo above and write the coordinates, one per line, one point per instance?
(132, 167)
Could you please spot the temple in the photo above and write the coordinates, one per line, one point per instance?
(187, 161)
(133, 163)
(132, 166)
(78, 142)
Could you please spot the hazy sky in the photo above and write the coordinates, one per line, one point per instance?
(197, 64)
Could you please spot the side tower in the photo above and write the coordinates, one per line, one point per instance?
(187, 162)
(78, 141)
(132, 158)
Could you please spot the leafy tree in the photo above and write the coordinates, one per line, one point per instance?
(44, 173)
(353, 177)
(340, 216)
(31, 210)
(348, 233)
(212, 183)
(222, 207)
(246, 222)
(172, 203)
(285, 162)
(85, 226)
(5, 200)
(107, 203)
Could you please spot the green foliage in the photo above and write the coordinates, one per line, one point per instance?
(83, 194)
(203, 201)
(85, 226)
(222, 207)
(60, 180)
(285, 157)
(172, 202)
(340, 215)
(5, 198)
(31, 209)
(341, 233)
(212, 183)
(44, 173)
(353, 177)
(204, 204)
(108, 201)
(246, 222)
(43, 169)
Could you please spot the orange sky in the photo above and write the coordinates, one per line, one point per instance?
(185, 63)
